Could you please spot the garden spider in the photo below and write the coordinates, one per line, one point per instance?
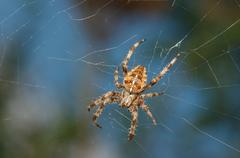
(131, 97)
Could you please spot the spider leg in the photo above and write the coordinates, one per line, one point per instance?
(149, 113)
(94, 103)
(102, 98)
(127, 58)
(149, 95)
(101, 108)
(97, 114)
(134, 113)
(162, 73)
(117, 84)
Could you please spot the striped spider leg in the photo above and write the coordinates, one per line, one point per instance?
(162, 73)
(117, 83)
(127, 58)
(134, 112)
(146, 107)
(108, 98)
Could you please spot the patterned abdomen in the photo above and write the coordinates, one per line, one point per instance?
(135, 79)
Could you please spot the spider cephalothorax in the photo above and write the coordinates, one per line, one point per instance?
(131, 97)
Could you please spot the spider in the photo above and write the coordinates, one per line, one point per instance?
(131, 97)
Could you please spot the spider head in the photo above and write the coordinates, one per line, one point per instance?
(135, 80)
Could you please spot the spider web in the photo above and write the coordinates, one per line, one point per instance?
(56, 56)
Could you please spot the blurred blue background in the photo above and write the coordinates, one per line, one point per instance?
(58, 55)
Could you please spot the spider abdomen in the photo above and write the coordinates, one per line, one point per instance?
(135, 80)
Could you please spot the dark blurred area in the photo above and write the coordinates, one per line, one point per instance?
(56, 56)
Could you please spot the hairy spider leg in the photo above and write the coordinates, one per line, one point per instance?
(162, 73)
(101, 99)
(150, 95)
(149, 113)
(101, 108)
(127, 58)
(134, 115)
(117, 83)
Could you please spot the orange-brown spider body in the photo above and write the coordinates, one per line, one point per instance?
(131, 97)
(135, 80)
